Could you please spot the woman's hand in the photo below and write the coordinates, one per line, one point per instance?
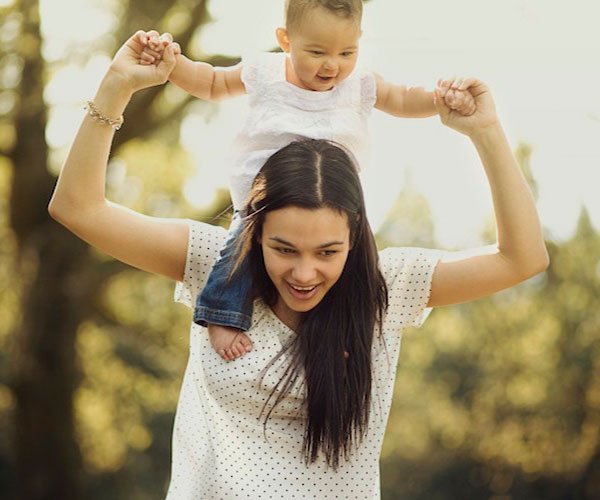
(155, 45)
(128, 68)
(485, 113)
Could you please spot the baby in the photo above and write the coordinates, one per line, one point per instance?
(310, 90)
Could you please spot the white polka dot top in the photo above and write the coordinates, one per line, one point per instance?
(220, 447)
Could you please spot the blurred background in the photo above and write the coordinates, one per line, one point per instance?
(497, 399)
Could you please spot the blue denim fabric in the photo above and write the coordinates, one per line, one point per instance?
(226, 300)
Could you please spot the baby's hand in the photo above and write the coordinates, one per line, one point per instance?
(154, 46)
(457, 96)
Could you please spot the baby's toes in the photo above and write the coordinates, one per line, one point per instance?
(223, 354)
(234, 352)
(245, 342)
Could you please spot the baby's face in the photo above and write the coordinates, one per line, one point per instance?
(323, 50)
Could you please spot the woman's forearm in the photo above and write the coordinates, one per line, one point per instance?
(81, 184)
(520, 237)
(149, 243)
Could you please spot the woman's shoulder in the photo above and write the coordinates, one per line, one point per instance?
(395, 260)
(204, 244)
(408, 272)
(205, 236)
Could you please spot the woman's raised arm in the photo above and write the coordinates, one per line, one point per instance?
(79, 203)
(521, 251)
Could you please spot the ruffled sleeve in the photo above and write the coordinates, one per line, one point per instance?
(259, 69)
(204, 243)
(368, 92)
(408, 273)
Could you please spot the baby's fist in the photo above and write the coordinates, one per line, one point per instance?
(461, 101)
(154, 47)
(457, 96)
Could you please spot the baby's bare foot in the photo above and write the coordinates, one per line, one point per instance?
(229, 343)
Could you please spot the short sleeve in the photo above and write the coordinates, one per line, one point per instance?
(408, 272)
(204, 243)
(260, 68)
(368, 92)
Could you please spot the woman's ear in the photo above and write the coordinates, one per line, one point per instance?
(283, 39)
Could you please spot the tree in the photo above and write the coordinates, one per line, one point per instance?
(500, 397)
(409, 222)
(59, 280)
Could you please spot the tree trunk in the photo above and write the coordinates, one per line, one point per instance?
(59, 279)
(44, 372)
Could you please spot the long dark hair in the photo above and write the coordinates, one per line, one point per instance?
(331, 353)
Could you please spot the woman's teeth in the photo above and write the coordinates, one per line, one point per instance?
(303, 288)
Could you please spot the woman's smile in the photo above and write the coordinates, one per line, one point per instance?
(305, 252)
(303, 292)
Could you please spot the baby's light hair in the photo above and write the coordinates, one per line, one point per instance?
(296, 10)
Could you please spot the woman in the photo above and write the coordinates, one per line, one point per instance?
(304, 413)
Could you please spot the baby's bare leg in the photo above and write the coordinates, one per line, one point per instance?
(229, 343)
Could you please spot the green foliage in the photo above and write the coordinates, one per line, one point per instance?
(408, 223)
(497, 397)
(130, 358)
(502, 393)
(9, 313)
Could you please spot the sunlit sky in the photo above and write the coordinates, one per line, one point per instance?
(540, 58)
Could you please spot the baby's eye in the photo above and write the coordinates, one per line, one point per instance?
(347, 54)
(316, 52)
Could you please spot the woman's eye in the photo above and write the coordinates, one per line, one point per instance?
(328, 253)
(285, 250)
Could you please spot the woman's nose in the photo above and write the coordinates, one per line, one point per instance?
(304, 272)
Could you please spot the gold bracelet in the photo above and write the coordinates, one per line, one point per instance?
(95, 113)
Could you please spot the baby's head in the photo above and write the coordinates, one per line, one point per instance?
(297, 10)
(321, 37)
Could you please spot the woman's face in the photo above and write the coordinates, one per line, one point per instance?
(305, 252)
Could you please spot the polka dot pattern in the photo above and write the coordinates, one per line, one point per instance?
(220, 447)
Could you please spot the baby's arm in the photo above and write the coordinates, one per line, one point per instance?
(197, 78)
(416, 102)
(402, 101)
(205, 81)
